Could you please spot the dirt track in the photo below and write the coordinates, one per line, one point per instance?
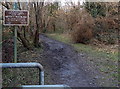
(65, 64)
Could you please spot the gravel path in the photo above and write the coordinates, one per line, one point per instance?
(62, 60)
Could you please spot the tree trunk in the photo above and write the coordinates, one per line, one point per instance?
(24, 31)
(38, 12)
(25, 43)
(36, 37)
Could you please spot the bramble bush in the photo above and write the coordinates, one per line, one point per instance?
(106, 30)
(82, 28)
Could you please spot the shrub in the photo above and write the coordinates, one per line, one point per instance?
(82, 33)
(82, 29)
(106, 30)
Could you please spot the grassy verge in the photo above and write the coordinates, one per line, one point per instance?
(106, 61)
(85, 48)
(60, 37)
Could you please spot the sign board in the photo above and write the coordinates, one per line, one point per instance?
(16, 17)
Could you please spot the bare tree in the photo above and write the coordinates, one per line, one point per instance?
(24, 33)
(38, 15)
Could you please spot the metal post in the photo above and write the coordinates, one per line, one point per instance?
(15, 38)
(41, 78)
(15, 46)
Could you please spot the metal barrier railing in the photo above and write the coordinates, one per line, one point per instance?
(45, 87)
(41, 81)
(26, 65)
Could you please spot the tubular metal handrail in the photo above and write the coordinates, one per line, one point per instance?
(45, 87)
(26, 65)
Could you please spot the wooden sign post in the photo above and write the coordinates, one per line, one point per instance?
(16, 18)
